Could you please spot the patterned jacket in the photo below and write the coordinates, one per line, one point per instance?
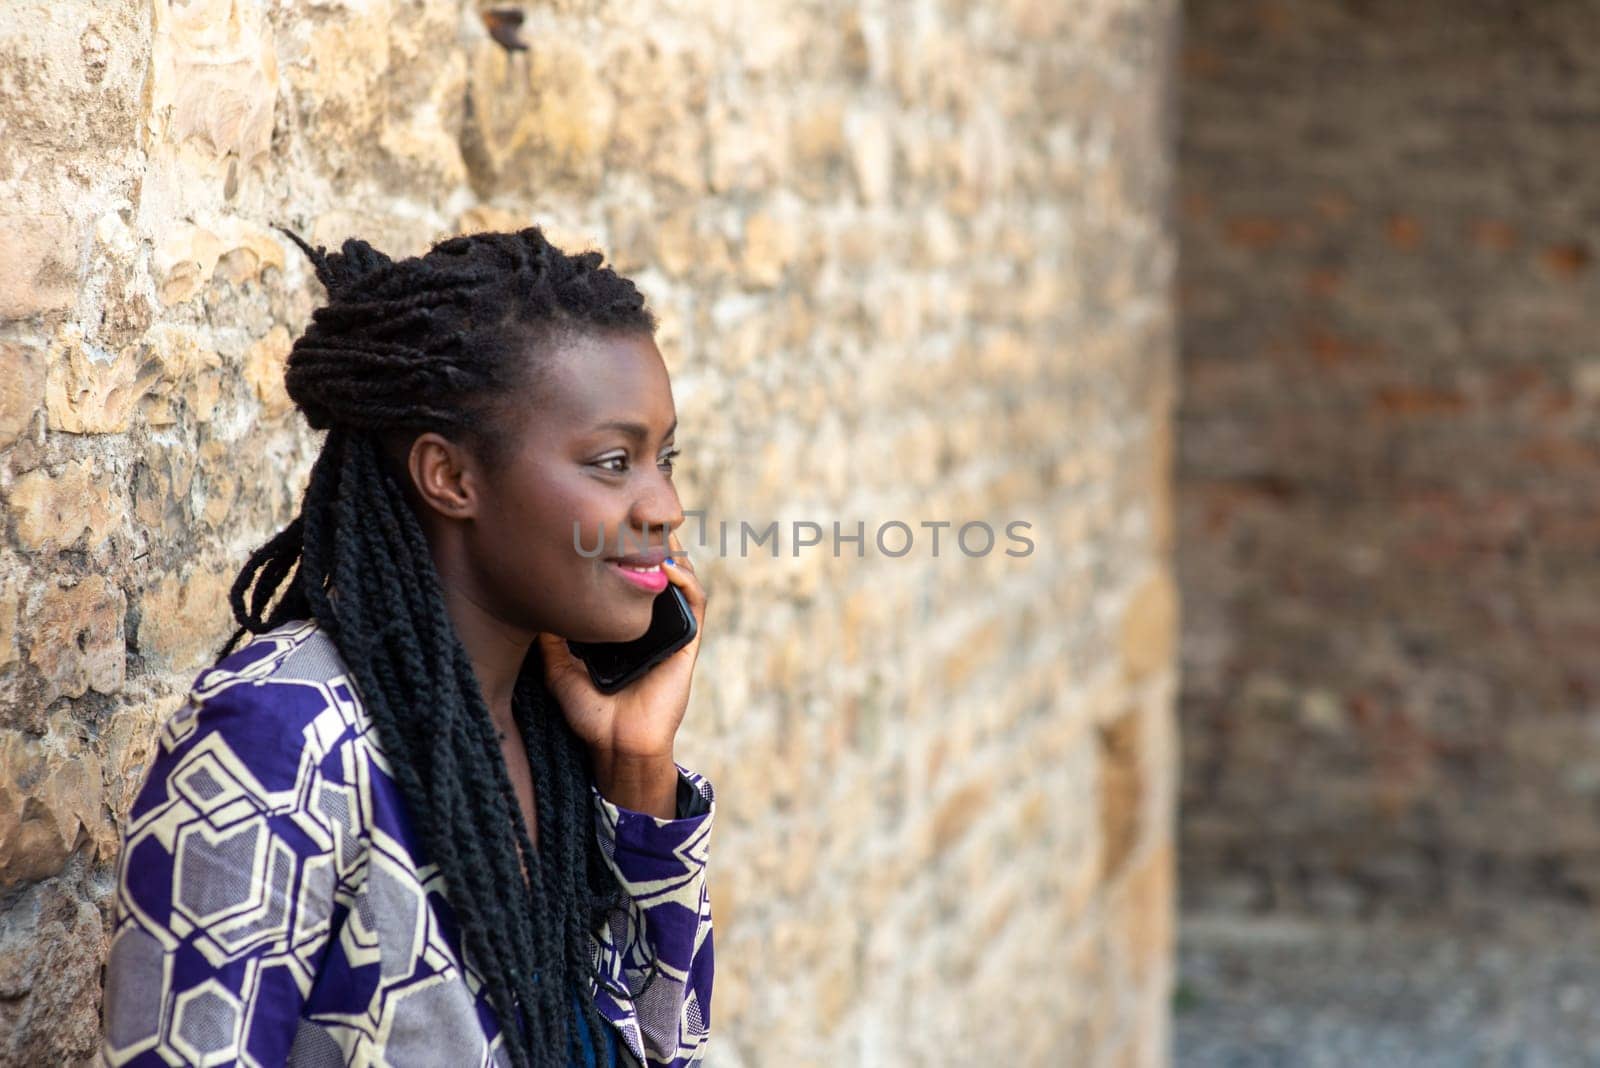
(274, 906)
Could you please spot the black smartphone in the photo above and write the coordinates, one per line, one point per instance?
(613, 665)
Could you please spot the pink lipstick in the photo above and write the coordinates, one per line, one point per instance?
(652, 578)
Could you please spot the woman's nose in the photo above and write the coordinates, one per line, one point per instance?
(658, 509)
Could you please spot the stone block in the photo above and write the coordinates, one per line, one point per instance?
(52, 942)
(660, 124)
(22, 381)
(213, 77)
(218, 483)
(264, 363)
(184, 616)
(161, 497)
(91, 391)
(57, 511)
(189, 254)
(40, 252)
(50, 804)
(817, 137)
(128, 741)
(747, 145)
(545, 113)
(75, 638)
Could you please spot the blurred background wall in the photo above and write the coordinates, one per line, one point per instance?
(913, 262)
(1389, 455)
(1389, 502)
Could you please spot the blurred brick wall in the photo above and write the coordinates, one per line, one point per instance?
(913, 263)
(1389, 454)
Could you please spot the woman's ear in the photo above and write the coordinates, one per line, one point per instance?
(444, 476)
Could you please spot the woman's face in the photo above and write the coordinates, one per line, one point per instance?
(590, 448)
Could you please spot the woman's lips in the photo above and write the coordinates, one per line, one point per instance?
(654, 580)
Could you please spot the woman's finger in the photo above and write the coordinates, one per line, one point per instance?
(681, 574)
(560, 665)
(678, 552)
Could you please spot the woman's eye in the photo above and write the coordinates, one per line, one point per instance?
(621, 462)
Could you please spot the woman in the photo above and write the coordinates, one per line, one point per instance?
(400, 826)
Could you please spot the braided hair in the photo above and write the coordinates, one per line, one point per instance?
(432, 343)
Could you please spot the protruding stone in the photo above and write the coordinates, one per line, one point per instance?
(185, 260)
(51, 945)
(128, 741)
(541, 113)
(184, 616)
(189, 255)
(183, 376)
(50, 798)
(75, 638)
(263, 368)
(90, 391)
(218, 481)
(54, 511)
(161, 486)
(214, 77)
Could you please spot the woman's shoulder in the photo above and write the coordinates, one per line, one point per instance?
(295, 653)
(269, 713)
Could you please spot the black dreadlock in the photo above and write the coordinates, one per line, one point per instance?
(431, 343)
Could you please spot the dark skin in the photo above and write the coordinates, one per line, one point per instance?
(502, 538)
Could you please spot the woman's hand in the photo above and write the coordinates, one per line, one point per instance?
(630, 733)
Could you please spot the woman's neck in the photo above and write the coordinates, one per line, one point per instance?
(497, 651)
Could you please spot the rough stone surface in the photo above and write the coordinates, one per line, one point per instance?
(912, 264)
(40, 252)
(75, 637)
(182, 615)
(49, 805)
(52, 942)
(22, 377)
(1390, 501)
(62, 509)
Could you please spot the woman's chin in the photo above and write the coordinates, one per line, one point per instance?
(614, 631)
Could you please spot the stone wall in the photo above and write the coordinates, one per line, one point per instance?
(912, 262)
(1389, 453)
